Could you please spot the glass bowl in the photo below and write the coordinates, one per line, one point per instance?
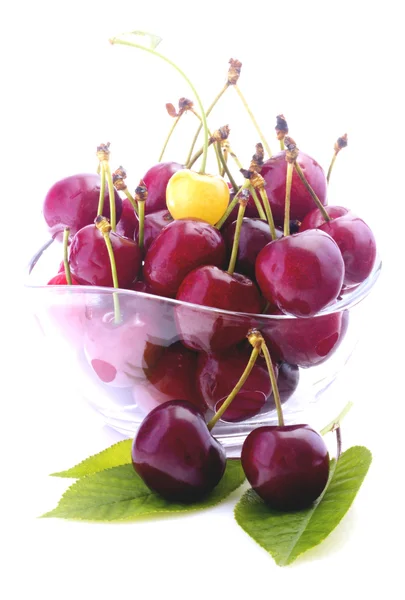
(163, 349)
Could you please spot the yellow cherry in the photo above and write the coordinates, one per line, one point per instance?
(192, 195)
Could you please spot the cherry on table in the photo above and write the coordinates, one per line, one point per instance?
(176, 455)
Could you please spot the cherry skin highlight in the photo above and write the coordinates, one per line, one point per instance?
(288, 467)
(73, 202)
(176, 455)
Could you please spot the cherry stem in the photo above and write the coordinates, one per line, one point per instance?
(65, 255)
(104, 227)
(252, 190)
(336, 422)
(111, 195)
(100, 208)
(197, 97)
(209, 109)
(226, 168)
(225, 153)
(282, 145)
(232, 204)
(287, 208)
(269, 214)
(169, 135)
(331, 166)
(338, 432)
(215, 148)
(245, 104)
(141, 212)
(253, 357)
(132, 201)
(236, 237)
(274, 385)
(311, 191)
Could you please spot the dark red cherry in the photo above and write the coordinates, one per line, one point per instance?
(357, 244)
(156, 179)
(212, 331)
(128, 222)
(154, 223)
(60, 279)
(73, 202)
(288, 467)
(274, 171)
(305, 342)
(254, 235)
(176, 455)
(217, 375)
(302, 273)
(89, 261)
(180, 247)
(314, 219)
(172, 378)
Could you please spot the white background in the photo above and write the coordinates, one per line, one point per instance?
(330, 67)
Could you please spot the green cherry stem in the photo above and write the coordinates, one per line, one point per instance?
(113, 216)
(287, 207)
(274, 385)
(226, 168)
(132, 201)
(255, 123)
(100, 208)
(232, 204)
(169, 135)
(252, 190)
(253, 357)
(311, 191)
(339, 145)
(118, 178)
(269, 213)
(243, 200)
(141, 195)
(104, 227)
(103, 154)
(337, 420)
(117, 40)
(66, 232)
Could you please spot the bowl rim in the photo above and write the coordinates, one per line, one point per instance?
(346, 302)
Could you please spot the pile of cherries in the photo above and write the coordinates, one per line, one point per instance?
(195, 238)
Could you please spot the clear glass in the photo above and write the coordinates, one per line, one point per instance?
(117, 367)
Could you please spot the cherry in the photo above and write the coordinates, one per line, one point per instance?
(128, 221)
(60, 279)
(73, 202)
(357, 244)
(217, 375)
(90, 263)
(176, 455)
(181, 246)
(301, 273)
(274, 171)
(305, 342)
(254, 235)
(287, 380)
(287, 466)
(172, 378)
(156, 180)
(315, 219)
(213, 331)
(153, 225)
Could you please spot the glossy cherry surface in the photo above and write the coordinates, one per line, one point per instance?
(288, 467)
(212, 287)
(302, 273)
(90, 263)
(217, 375)
(73, 202)
(176, 455)
(156, 180)
(153, 225)
(128, 221)
(274, 171)
(314, 219)
(181, 246)
(357, 244)
(254, 236)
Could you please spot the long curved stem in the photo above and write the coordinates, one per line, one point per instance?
(169, 135)
(274, 385)
(197, 97)
(311, 191)
(226, 168)
(255, 123)
(100, 207)
(269, 214)
(331, 167)
(111, 194)
(236, 237)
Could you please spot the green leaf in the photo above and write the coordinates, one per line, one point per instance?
(119, 494)
(287, 535)
(114, 456)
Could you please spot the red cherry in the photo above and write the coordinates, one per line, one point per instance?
(180, 247)
(128, 221)
(212, 331)
(302, 273)
(89, 261)
(315, 219)
(172, 378)
(357, 244)
(175, 454)
(73, 202)
(60, 279)
(156, 180)
(288, 466)
(274, 171)
(154, 223)
(217, 375)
